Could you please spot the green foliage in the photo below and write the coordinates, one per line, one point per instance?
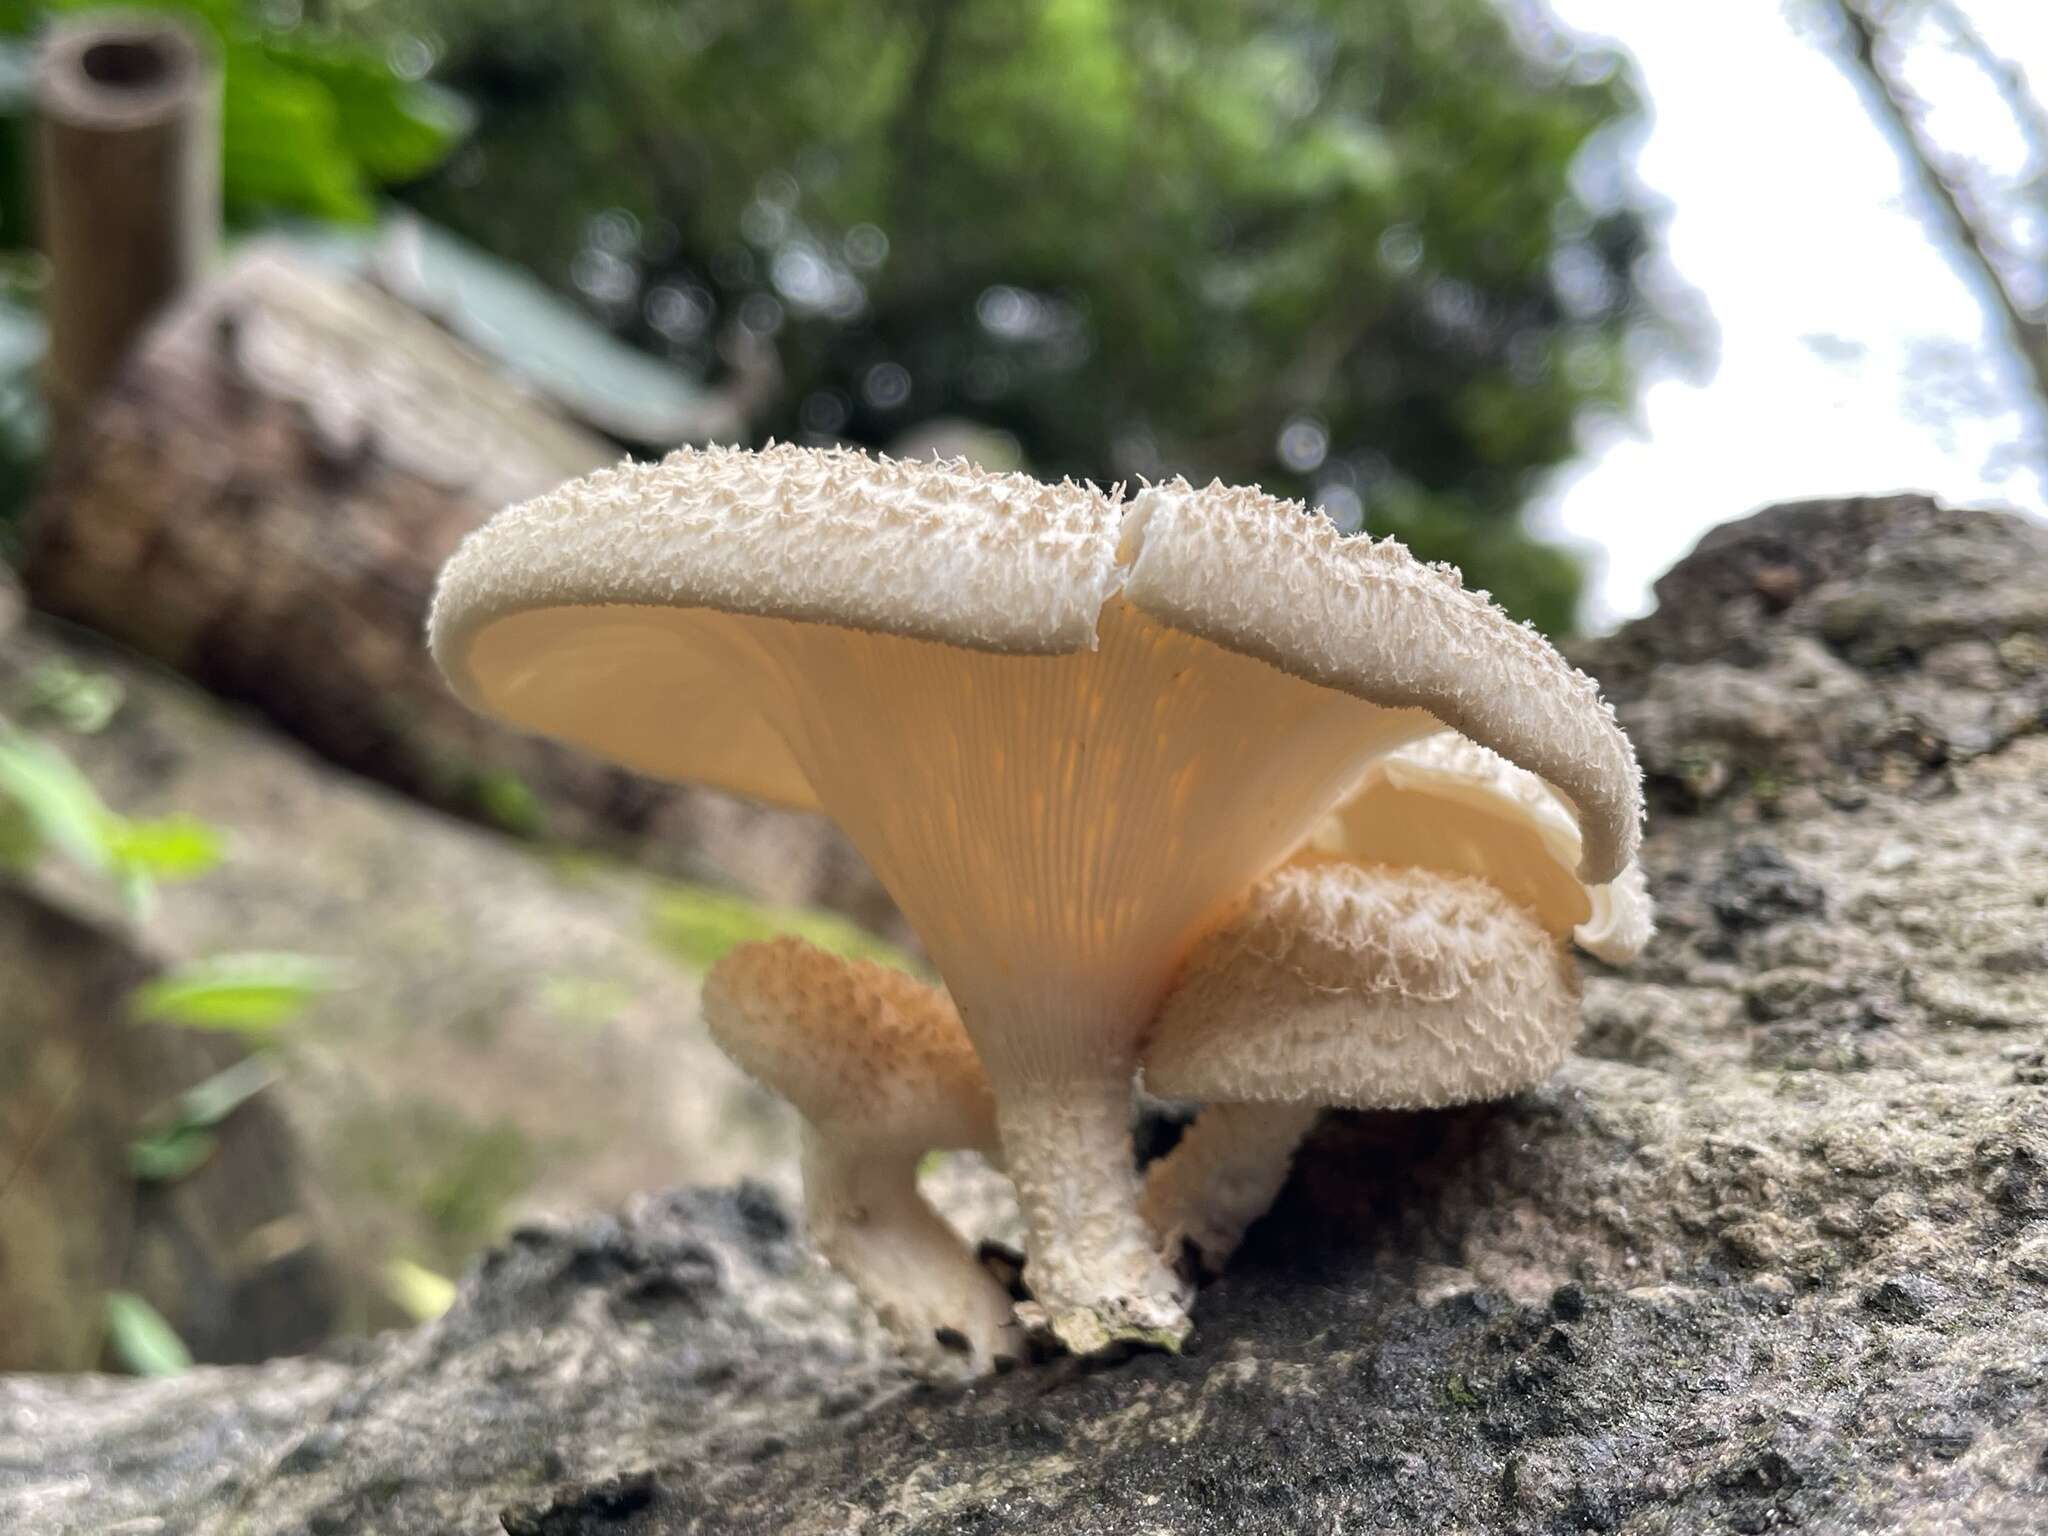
(168, 1155)
(142, 1341)
(175, 847)
(420, 1292)
(311, 122)
(253, 995)
(55, 803)
(697, 926)
(479, 1172)
(1382, 256)
(180, 1140)
(508, 802)
(47, 805)
(73, 698)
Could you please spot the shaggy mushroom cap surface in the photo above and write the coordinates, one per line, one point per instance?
(1367, 987)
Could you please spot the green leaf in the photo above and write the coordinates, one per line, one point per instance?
(243, 994)
(281, 144)
(142, 1340)
(180, 1139)
(423, 1294)
(19, 844)
(207, 1103)
(74, 698)
(508, 802)
(395, 129)
(173, 848)
(163, 1157)
(45, 802)
(61, 807)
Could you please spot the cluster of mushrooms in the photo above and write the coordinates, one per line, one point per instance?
(1184, 786)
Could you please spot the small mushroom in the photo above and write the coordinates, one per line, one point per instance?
(1068, 732)
(878, 1066)
(1412, 956)
(1449, 804)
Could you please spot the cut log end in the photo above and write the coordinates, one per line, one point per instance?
(121, 72)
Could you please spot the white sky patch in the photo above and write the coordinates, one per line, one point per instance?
(1854, 355)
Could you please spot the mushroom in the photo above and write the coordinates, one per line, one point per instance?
(878, 1066)
(1448, 804)
(1068, 732)
(1413, 956)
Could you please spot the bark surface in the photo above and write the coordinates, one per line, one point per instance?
(1770, 1253)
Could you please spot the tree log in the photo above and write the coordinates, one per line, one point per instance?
(1769, 1254)
(262, 501)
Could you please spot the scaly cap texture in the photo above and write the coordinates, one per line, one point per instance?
(863, 1051)
(1367, 987)
(935, 549)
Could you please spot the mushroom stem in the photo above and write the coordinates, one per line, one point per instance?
(867, 1217)
(1093, 1268)
(1227, 1169)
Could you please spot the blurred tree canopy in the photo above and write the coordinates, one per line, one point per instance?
(1356, 252)
(1380, 256)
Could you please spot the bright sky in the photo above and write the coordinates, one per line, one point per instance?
(1853, 357)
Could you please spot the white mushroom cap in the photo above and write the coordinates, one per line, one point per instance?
(1371, 988)
(1449, 804)
(561, 613)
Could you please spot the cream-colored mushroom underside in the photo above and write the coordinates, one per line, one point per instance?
(1437, 828)
(1058, 829)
